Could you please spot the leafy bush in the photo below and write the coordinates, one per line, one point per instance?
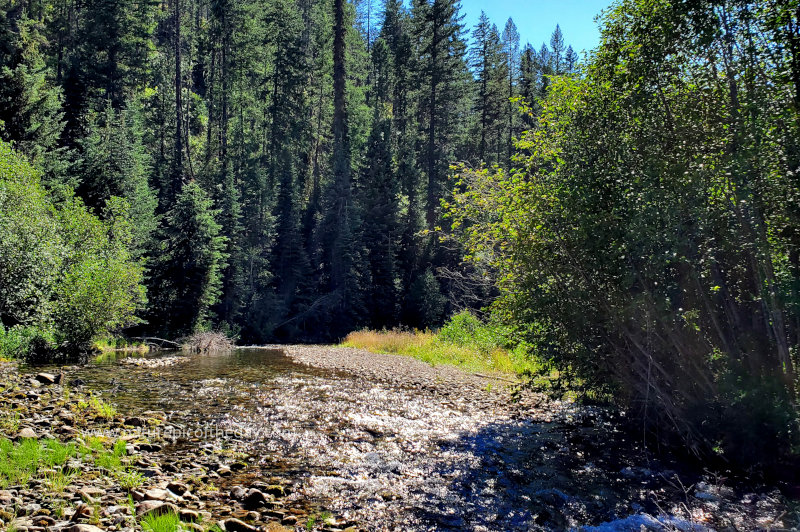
(466, 329)
(648, 241)
(65, 275)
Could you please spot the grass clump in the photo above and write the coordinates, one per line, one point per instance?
(464, 341)
(19, 462)
(168, 522)
(101, 408)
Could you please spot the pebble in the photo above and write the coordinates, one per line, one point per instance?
(83, 528)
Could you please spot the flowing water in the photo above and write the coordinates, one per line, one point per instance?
(403, 457)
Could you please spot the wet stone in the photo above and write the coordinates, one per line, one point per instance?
(236, 525)
(154, 508)
(46, 378)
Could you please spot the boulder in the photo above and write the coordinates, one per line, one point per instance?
(28, 433)
(154, 508)
(46, 378)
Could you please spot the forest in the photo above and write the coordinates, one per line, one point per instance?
(295, 170)
(282, 163)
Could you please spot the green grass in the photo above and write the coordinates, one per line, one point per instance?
(9, 422)
(19, 462)
(112, 459)
(102, 409)
(464, 342)
(163, 523)
(46, 460)
(129, 479)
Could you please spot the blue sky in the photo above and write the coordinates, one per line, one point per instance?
(536, 19)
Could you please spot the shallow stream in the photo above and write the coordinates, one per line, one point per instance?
(395, 456)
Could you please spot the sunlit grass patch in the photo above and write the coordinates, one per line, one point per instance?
(168, 522)
(102, 409)
(111, 344)
(464, 342)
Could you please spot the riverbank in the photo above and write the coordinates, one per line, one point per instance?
(70, 462)
(328, 438)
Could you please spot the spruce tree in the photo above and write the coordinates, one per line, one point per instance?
(114, 162)
(510, 41)
(379, 194)
(30, 113)
(443, 80)
(186, 268)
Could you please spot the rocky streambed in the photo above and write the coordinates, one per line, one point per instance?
(299, 437)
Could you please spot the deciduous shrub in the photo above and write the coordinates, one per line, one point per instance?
(65, 275)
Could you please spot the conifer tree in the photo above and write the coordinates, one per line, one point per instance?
(443, 82)
(510, 40)
(30, 114)
(379, 191)
(114, 163)
(186, 269)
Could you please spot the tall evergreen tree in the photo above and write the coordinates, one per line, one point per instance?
(114, 163)
(443, 81)
(30, 113)
(186, 278)
(510, 41)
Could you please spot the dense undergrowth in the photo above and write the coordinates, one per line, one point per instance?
(647, 240)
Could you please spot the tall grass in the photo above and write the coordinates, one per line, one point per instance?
(464, 341)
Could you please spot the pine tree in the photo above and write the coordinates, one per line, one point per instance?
(558, 52)
(114, 47)
(114, 163)
(491, 103)
(510, 41)
(379, 191)
(443, 81)
(527, 83)
(30, 114)
(186, 269)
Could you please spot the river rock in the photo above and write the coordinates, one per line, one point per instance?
(235, 525)
(46, 378)
(154, 508)
(178, 488)
(134, 422)
(82, 528)
(156, 494)
(189, 516)
(238, 493)
(254, 499)
(44, 520)
(6, 497)
(27, 432)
